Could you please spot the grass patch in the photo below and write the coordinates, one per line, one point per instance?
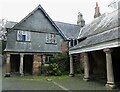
(39, 77)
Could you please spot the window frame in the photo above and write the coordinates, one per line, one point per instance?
(51, 39)
(25, 34)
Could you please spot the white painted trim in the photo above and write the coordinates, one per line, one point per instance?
(100, 46)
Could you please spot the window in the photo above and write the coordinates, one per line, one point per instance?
(73, 42)
(47, 59)
(51, 38)
(23, 35)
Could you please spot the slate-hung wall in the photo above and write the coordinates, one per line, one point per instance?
(37, 43)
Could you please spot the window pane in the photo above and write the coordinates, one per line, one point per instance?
(23, 37)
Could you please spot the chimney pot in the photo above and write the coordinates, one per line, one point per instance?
(80, 20)
(97, 11)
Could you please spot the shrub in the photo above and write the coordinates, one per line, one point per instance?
(54, 69)
(59, 65)
(62, 60)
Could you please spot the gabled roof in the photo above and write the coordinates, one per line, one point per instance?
(47, 16)
(70, 31)
(103, 23)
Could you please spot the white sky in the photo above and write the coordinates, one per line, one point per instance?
(58, 10)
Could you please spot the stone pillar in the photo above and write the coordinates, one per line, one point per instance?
(43, 58)
(21, 64)
(37, 65)
(71, 67)
(110, 77)
(8, 66)
(86, 67)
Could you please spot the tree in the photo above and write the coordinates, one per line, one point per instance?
(3, 29)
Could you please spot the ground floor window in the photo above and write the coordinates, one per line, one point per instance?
(48, 59)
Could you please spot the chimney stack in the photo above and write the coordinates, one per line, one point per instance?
(80, 20)
(97, 11)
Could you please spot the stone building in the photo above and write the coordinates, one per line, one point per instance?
(99, 48)
(32, 41)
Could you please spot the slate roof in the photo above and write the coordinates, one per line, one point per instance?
(102, 29)
(47, 16)
(10, 24)
(99, 38)
(70, 31)
(100, 24)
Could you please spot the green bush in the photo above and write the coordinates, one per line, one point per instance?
(45, 69)
(51, 69)
(62, 60)
(54, 69)
(78, 71)
(59, 65)
(62, 57)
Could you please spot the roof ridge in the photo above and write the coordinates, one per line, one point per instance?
(66, 23)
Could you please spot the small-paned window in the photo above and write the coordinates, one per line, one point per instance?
(23, 36)
(51, 38)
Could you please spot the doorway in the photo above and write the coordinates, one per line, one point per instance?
(14, 63)
(28, 64)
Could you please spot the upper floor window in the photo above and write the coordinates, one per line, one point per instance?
(23, 36)
(51, 38)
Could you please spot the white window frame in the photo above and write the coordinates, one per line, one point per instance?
(20, 35)
(51, 38)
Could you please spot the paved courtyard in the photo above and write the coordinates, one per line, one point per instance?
(54, 84)
(65, 83)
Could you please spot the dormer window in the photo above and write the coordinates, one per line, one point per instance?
(73, 42)
(23, 36)
(51, 38)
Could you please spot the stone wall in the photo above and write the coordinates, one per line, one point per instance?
(97, 63)
(64, 46)
(37, 64)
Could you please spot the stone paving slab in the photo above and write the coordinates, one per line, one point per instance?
(67, 84)
(10, 84)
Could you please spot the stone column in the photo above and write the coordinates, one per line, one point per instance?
(8, 66)
(21, 64)
(43, 58)
(86, 67)
(110, 77)
(71, 67)
(37, 65)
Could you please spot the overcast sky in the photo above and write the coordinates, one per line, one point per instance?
(58, 10)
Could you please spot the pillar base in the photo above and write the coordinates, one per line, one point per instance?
(86, 79)
(21, 75)
(7, 75)
(110, 85)
(71, 75)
